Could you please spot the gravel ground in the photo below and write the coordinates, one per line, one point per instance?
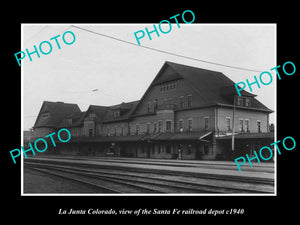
(36, 182)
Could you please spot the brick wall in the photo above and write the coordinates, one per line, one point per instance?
(252, 116)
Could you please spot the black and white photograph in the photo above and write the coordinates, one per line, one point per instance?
(131, 113)
(165, 119)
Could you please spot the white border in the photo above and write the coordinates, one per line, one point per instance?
(146, 195)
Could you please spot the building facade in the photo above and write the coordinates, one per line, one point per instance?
(186, 113)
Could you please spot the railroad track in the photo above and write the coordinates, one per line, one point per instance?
(114, 180)
(224, 177)
(265, 169)
(91, 185)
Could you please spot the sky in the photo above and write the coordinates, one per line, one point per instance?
(122, 72)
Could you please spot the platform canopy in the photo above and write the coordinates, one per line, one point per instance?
(181, 136)
(187, 136)
(241, 136)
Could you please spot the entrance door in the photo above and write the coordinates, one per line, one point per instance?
(149, 149)
(198, 147)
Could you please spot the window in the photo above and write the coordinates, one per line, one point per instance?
(189, 149)
(155, 105)
(181, 101)
(45, 115)
(189, 101)
(90, 132)
(241, 125)
(154, 127)
(116, 114)
(239, 101)
(180, 126)
(258, 126)
(108, 131)
(168, 126)
(190, 124)
(168, 86)
(148, 127)
(137, 128)
(149, 107)
(168, 149)
(69, 121)
(165, 103)
(247, 125)
(92, 115)
(159, 125)
(228, 124)
(129, 130)
(247, 102)
(243, 101)
(206, 123)
(169, 103)
(115, 131)
(122, 131)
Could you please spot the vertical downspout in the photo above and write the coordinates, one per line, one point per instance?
(216, 120)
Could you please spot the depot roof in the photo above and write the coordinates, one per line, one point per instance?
(53, 113)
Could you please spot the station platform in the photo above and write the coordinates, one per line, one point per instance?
(226, 168)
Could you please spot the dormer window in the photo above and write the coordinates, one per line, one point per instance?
(239, 101)
(247, 102)
(243, 101)
(155, 104)
(69, 121)
(92, 115)
(116, 114)
(189, 101)
(149, 107)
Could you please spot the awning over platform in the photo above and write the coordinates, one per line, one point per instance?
(269, 135)
(107, 139)
(182, 136)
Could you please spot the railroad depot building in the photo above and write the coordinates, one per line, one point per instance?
(186, 113)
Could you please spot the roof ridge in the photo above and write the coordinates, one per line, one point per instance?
(194, 67)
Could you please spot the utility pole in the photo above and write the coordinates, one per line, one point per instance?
(232, 139)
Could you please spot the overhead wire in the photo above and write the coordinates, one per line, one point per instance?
(165, 52)
(151, 48)
(36, 34)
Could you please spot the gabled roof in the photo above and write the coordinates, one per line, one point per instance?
(97, 109)
(123, 106)
(100, 111)
(126, 109)
(212, 85)
(58, 111)
(209, 83)
(76, 117)
(213, 88)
